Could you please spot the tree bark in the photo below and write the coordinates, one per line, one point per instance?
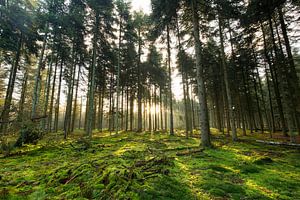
(204, 121)
(58, 97)
(92, 70)
(11, 85)
(35, 99)
(227, 85)
(170, 83)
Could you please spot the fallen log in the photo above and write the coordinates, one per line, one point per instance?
(278, 143)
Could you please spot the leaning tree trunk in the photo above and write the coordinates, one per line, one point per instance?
(10, 87)
(204, 121)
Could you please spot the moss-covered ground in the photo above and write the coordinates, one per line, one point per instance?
(148, 166)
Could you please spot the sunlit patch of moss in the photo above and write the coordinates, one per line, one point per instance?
(255, 187)
(139, 166)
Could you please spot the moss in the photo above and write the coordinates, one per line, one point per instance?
(218, 192)
(263, 160)
(219, 168)
(145, 166)
(249, 168)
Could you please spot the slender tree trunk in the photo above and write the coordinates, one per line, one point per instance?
(10, 87)
(190, 106)
(122, 109)
(139, 95)
(166, 111)
(170, 83)
(80, 114)
(118, 77)
(35, 98)
(293, 79)
(68, 115)
(161, 109)
(227, 85)
(289, 112)
(149, 112)
(275, 84)
(92, 70)
(186, 116)
(193, 114)
(58, 97)
(204, 121)
(99, 109)
(127, 109)
(144, 113)
(48, 85)
(155, 103)
(75, 102)
(50, 117)
(23, 96)
(131, 110)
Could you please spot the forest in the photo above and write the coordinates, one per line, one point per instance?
(150, 99)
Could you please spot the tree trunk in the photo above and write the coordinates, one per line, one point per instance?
(80, 114)
(289, 112)
(275, 83)
(170, 83)
(161, 109)
(149, 112)
(50, 117)
(75, 102)
(183, 76)
(91, 89)
(139, 94)
(231, 108)
(118, 76)
(48, 85)
(58, 98)
(204, 122)
(23, 96)
(294, 81)
(35, 99)
(68, 115)
(10, 87)
(131, 110)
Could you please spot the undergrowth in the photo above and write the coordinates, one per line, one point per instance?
(148, 166)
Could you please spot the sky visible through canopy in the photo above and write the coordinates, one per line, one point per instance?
(145, 6)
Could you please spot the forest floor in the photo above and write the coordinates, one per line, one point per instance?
(149, 166)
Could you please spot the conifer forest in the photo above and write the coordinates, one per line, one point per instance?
(150, 99)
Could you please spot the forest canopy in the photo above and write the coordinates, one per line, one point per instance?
(190, 68)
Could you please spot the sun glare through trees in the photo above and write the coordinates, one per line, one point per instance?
(149, 99)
